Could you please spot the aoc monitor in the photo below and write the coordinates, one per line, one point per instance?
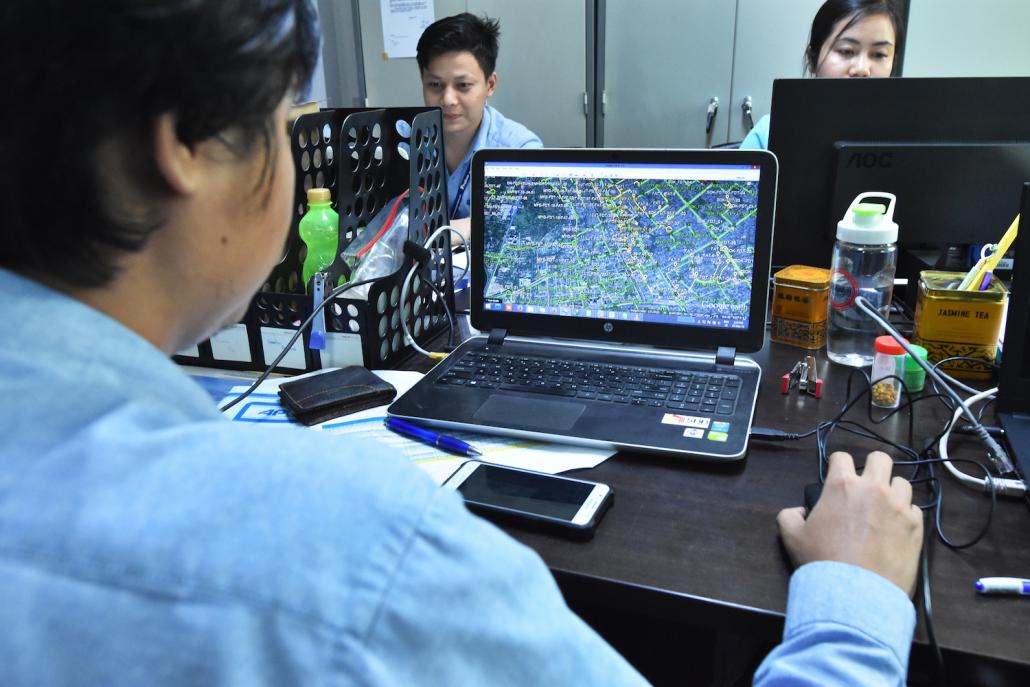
(955, 152)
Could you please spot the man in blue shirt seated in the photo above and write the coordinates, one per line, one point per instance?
(145, 539)
(456, 59)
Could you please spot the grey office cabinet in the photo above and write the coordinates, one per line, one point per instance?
(542, 66)
(670, 65)
(391, 82)
(770, 44)
(341, 54)
(665, 62)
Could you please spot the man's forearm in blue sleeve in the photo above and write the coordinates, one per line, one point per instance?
(845, 626)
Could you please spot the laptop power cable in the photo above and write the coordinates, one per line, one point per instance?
(422, 257)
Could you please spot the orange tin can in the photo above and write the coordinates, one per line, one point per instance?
(800, 295)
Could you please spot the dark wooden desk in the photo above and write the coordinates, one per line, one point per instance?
(696, 544)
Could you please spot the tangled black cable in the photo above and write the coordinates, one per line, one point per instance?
(923, 473)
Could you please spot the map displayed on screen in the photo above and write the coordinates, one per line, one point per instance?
(647, 249)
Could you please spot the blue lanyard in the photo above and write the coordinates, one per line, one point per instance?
(461, 189)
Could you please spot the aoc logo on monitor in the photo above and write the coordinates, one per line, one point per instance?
(859, 160)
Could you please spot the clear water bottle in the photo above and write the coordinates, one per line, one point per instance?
(864, 260)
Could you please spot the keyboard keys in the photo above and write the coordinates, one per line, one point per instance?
(694, 392)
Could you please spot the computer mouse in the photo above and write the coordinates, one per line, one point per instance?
(812, 493)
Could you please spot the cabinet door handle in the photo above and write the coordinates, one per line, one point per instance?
(713, 109)
(746, 108)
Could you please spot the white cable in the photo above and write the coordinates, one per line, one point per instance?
(997, 454)
(1005, 487)
(405, 285)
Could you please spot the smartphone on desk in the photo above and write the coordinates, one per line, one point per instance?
(573, 506)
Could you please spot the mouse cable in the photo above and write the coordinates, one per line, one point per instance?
(926, 604)
(406, 286)
(913, 457)
(997, 454)
(339, 290)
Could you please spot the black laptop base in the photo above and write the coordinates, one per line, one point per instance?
(682, 404)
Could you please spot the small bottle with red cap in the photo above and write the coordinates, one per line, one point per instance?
(888, 368)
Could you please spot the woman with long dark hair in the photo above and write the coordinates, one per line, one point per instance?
(849, 39)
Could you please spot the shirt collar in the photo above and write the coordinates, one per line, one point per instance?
(478, 141)
(57, 331)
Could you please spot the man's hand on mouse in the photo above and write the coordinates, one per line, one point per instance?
(867, 520)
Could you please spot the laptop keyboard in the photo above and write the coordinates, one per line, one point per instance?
(675, 389)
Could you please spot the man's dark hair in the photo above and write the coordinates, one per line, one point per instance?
(462, 32)
(83, 76)
(834, 11)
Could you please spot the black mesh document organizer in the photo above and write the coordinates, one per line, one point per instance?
(366, 158)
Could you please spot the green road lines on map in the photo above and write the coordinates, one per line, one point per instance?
(700, 193)
(737, 223)
(736, 267)
(707, 226)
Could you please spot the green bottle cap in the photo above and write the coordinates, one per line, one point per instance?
(866, 209)
(914, 375)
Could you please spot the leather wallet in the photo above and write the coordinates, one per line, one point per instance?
(335, 393)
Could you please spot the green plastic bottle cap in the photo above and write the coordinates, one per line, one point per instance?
(914, 375)
(869, 209)
(318, 195)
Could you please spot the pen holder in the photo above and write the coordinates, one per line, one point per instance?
(952, 323)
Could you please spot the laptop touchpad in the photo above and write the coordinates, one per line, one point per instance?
(530, 413)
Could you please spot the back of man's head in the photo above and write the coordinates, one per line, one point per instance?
(461, 33)
(86, 81)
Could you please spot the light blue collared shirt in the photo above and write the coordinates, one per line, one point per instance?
(495, 131)
(145, 539)
(758, 137)
(845, 626)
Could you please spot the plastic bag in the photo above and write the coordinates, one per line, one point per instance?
(378, 249)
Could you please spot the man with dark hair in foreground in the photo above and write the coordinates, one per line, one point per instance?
(145, 539)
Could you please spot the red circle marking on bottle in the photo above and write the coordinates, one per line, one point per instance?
(852, 293)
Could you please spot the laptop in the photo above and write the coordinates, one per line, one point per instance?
(615, 292)
(1014, 380)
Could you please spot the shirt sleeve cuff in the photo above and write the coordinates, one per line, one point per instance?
(844, 594)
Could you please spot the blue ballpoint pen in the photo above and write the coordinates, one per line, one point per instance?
(430, 437)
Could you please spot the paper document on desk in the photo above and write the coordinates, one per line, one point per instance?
(516, 453)
(263, 407)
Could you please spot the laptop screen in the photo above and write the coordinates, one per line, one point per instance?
(666, 243)
(657, 241)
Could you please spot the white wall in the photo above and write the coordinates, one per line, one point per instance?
(968, 38)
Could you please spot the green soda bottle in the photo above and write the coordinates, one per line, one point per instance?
(320, 231)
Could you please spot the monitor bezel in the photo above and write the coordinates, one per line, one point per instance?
(681, 336)
(809, 116)
(1014, 377)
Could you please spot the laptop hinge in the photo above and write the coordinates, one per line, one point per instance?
(496, 337)
(726, 355)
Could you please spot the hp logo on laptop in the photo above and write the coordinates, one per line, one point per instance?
(608, 327)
